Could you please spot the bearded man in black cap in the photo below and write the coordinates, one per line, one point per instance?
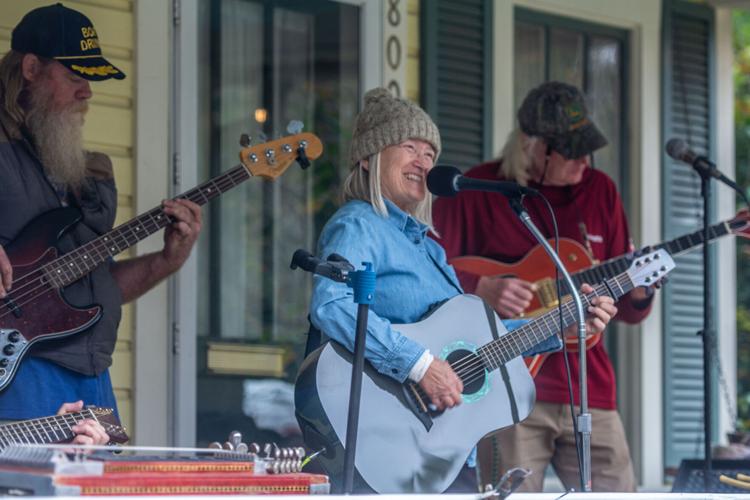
(44, 94)
(550, 151)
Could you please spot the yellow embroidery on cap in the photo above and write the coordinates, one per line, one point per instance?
(95, 70)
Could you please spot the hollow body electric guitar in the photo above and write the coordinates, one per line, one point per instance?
(403, 446)
(58, 429)
(35, 308)
(537, 268)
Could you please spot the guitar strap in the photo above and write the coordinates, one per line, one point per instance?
(503, 370)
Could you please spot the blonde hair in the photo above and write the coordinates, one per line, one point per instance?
(364, 184)
(12, 85)
(517, 158)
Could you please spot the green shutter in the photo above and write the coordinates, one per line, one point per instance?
(456, 77)
(688, 114)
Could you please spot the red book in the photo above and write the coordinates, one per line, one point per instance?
(206, 483)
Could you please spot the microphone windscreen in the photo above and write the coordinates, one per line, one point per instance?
(441, 180)
(677, 149)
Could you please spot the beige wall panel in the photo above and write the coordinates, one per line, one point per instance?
(107, 125)
(124, 213)
(125, 338)
(123, 168)
(412, 51)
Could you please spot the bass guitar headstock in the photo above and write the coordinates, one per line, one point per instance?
(271, 159)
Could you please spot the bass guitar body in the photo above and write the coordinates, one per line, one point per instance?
(36, 310)
(401, 448)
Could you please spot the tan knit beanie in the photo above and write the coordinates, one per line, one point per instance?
(386, 121)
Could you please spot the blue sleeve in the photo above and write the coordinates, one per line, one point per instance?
(550, 344)
(333, 311)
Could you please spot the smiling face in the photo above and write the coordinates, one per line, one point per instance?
(403, 172)
(560, 171)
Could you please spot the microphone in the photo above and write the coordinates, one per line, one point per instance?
(336, 267)
(445, 180)
(680, 151)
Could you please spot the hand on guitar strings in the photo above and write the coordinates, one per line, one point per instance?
(86, 431)
(442, 385)
(6, 274)
(599, 313)
(180, 236)
(508, 296)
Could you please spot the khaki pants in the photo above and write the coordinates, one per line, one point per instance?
(545, 437)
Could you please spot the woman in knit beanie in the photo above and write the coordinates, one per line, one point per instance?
(385, 220)
(387, 121)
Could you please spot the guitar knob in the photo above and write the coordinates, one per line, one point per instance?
(3, 362)
(9, 349)
(213, 446)
(14, 337)
(254, 448)
(241, 448)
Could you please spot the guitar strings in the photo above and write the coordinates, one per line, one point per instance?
(473, 367)
(30, 431)
(478, 371)
(224, 183)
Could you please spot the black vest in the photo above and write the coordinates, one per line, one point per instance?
(25, 193)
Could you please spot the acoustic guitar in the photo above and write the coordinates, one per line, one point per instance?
(403, 446)
(536, 267)
(35, 309)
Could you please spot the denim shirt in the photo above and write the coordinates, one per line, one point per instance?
(412, 276)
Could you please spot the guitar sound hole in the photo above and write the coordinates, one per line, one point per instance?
(469, 367)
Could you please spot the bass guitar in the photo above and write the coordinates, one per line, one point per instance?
(402, 445)
(537, 268)
(57, 429)
(35, 309)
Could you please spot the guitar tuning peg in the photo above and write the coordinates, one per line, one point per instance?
(215, 445)
(241, 448)
(263, 137)
(245, 140)
(295, 127)
(235, 437)
(228, 446)
(267, 449)
(254, 448)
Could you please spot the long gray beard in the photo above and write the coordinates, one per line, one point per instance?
(58, 137)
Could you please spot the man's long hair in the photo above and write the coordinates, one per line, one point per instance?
(12, 86)
(517, 157)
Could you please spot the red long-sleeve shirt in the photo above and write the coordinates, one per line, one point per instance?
(478, 223)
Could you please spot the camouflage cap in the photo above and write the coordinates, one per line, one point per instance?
(557, 113)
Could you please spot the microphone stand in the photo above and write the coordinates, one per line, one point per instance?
(708, 332)
(363, 284)
(584, 417)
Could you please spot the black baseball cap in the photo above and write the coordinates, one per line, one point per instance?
(557, 113)
(67, 36)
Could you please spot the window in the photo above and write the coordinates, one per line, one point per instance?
(588, 56)
(266, 63)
